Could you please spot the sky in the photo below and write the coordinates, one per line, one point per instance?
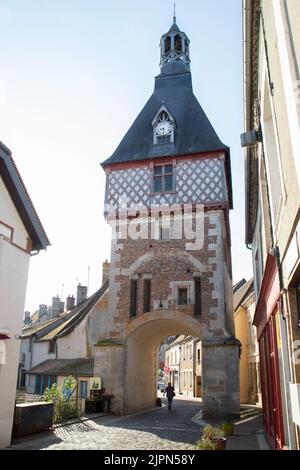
(74, 74)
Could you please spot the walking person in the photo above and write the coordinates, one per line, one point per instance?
(169, 391)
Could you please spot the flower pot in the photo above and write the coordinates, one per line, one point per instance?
(220, 443)
(228, 429)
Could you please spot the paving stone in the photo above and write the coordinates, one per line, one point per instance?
(159, 429)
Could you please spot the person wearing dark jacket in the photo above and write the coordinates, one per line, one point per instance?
(169, 391)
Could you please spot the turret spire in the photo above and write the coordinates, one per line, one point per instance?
(174, 47)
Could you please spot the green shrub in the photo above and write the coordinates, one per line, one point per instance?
(210, 432)
(64, 408)
(205, 444)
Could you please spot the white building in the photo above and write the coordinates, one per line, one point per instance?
(21, 235)
(183, 361)
(63, 346)
(272, 165)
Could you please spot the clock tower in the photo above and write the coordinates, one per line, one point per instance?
(168, 196)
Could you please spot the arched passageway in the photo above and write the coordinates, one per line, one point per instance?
(145, 335)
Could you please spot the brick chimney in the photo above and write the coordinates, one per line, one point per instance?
(81, 294)
(43, 311)
(70, 303)
(27, 319)
(56, 307)
(105, 271)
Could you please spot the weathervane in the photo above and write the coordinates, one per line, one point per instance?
(174, 16)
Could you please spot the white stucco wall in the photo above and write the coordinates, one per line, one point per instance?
(74, 345)
(40, 353)
(13, 281)
(10, 216)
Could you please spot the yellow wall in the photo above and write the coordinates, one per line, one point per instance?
(241, 328)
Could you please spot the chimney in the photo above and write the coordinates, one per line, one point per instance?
(56, 307)
(43, 311)
(27, 319)
(81, 293)
(70, 304)
(105, 271)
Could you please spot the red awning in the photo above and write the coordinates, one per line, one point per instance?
(4, 333)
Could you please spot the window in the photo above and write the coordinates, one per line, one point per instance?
(168, 44)
(147, 295)
(197, 286)
(178, 43)
(133, 297)
(163, 127)
(166, 227)
(182, 296)
(52, 347)
(83, 389)
(163, 179)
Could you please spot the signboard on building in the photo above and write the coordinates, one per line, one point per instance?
(95, 383)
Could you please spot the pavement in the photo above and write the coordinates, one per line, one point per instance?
(156, 429)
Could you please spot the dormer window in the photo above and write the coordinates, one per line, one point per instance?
(163, 127)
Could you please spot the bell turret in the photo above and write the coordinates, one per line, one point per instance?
(174, 49)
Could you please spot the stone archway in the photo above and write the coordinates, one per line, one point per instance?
(144, 337)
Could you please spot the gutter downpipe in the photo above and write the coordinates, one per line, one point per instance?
(247, 17)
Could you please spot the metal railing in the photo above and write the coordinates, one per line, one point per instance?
(65, 410)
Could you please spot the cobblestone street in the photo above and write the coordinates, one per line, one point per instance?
(158, 429)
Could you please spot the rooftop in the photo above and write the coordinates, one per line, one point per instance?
(75, 367)
(21, 199)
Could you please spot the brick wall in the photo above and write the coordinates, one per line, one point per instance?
(166, 263)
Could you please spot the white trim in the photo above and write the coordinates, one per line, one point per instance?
(172, 122)
(276, 218)
(288, 83)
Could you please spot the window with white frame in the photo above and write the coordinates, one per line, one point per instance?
(182, 293)
(163, 127)
(163, 178)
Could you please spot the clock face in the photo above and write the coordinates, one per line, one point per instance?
(163, 128)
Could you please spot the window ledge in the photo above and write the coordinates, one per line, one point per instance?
(163, 193)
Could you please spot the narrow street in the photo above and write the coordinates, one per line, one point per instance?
(158, 429)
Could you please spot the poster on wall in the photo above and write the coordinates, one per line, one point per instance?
(95, 383)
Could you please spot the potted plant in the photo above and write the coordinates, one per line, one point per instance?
(228, 426)
(205, 444)
(216, 435)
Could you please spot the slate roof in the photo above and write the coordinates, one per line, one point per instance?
(43, 328)
(240, 295)
(21, 199)
(75, 367)
(78, 314)
(194, 133)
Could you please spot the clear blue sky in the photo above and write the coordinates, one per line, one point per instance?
(74, 75)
